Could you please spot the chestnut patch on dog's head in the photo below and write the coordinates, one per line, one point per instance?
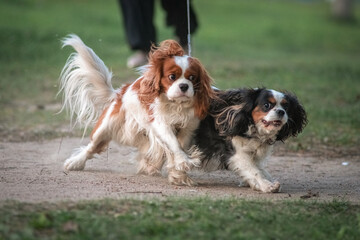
(258, 114)
(264, 103)
(170, 73)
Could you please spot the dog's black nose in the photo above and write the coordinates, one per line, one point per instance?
(183, 87)
(280, 112)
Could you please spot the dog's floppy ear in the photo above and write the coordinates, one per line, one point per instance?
(232, 111)
(203, 90)
(297, 118)
(150, 86)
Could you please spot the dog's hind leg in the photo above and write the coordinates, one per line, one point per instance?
(78, 159)
(100, 138)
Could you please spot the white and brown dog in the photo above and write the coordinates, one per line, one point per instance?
(158, 113)
(241, 128)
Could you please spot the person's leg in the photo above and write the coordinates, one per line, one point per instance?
(176, 16)
(139, 28)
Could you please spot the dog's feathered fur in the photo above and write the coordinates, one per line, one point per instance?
(86, 84)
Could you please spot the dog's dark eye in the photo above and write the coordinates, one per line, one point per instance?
(172, 77)
(191, 77)
(285, 106)
(267, 106)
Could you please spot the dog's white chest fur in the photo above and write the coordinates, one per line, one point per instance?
(256, 150)
(173, 113)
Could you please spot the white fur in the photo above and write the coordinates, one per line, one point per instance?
(182, 61)
(85, 83)
(174, 91)
(249, 162)
(271, 116)
(271, 131)
(277, 95)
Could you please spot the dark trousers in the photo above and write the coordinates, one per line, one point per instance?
(138, 18)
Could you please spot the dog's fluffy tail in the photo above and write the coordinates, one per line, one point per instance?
(86, 83)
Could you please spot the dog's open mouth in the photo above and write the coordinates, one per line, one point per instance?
(276, 123)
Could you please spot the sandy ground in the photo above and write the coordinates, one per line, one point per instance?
(33, 172)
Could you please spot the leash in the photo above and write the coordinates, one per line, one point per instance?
(188, 25)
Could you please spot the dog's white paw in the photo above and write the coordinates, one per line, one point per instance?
(186, 163)
(180, 178)
(182, 163)
(183, 166)
(271, 187)
(74, 164)
(264, 185)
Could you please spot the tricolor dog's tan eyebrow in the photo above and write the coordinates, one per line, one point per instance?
(272, 100)
(284, 101)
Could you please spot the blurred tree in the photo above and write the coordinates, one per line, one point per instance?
(343, 9)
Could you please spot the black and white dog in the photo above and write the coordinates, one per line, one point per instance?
(239, 132)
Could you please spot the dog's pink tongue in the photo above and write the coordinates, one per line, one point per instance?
(266, 123)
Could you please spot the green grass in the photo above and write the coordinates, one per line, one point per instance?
(180, 219)
(292, 45)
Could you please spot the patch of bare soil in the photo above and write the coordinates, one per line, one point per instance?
(33, 172)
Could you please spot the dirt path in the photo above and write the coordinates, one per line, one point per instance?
(32, 172)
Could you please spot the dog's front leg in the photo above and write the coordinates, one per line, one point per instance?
(251, 174)
(248, 164)
(244, 165)
(168, 138)
(178, 161)
(185, 135)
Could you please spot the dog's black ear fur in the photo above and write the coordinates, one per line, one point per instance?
(297, 118)
(232, 111)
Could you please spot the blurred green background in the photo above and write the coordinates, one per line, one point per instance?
(292, 45)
